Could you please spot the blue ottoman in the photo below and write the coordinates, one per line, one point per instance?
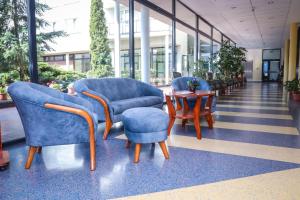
(145, 125)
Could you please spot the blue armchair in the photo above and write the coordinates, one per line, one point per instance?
(112, 96)
(181, 84)
(50, 117)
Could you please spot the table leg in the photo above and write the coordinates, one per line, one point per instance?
(196, 118)
(209, 117)
(186, 109)
(172, 114)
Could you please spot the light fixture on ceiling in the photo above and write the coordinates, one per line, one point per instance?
(233, 7)
(270, 2)
(241, 20)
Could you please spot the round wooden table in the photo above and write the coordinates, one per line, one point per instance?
(185, 113)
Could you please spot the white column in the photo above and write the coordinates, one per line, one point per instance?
(117, 39)
(145, 45)
(167, 42)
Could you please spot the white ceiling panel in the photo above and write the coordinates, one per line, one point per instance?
(250, 23)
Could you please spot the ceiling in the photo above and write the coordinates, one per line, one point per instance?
(250, 23)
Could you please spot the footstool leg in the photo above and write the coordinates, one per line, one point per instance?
(137, 153)
(127, 144)
(164, 149)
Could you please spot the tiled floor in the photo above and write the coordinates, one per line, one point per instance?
(252, 153)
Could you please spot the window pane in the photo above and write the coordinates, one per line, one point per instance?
(159, 46)
(164, 4)
(205, 48)
(185, 46)
(217, 35)
(271, 54)
(185, 15)
(204, 27)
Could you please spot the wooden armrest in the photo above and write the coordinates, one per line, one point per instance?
(88, 119)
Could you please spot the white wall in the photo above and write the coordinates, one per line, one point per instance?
(255, 55)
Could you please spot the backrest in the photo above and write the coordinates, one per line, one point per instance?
(32, 92)
(112, 88)
(181, 83)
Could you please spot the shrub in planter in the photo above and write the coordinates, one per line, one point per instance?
(294, 88)
(3, 93)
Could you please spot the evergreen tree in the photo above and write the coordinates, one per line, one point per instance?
(14, 38)
(99, 47)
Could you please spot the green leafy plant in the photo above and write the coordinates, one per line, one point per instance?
(99, 47)
(292, 86)
(56, 86)
(201, 69)
(49, 74)
(14, 35)
(193, 84)
(231, 60)
(3, 90)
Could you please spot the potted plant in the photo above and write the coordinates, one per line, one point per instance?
(293, 87)
(193, 84)
(3, 93)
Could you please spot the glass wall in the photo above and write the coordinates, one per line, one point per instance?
(159, 45)
(160, 39)
(185, 46)
(205, 50)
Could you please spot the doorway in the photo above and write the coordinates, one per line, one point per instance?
(271, 69)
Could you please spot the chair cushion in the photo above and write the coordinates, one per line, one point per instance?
(122, 105)
(145, 120)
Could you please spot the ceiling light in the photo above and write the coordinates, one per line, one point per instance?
(241, 21)
(270, 2)
(233, 7)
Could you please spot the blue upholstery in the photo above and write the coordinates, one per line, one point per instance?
(119, 94)
(44, 126)
(145, 124)
(181, 84)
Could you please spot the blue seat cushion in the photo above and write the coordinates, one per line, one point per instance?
(145, 120)
(124, 104)
(150, 137)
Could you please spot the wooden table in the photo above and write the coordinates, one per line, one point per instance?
(185, 113)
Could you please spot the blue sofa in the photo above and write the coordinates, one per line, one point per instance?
(50, 117)
(181, 84)
(112, 96)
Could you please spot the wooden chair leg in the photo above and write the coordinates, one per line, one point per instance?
(137, 153)
(39, 150)
(108, 125)
(128, 143)
(31, 153)
(164, 149)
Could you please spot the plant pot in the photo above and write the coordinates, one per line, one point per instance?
(3, 96)
(296, 96)
(192, 89)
